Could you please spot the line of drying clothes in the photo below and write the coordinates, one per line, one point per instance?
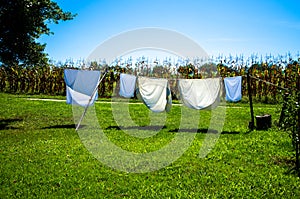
(200, 94)
(155, 93)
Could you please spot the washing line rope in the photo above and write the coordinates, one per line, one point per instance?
(270, 83)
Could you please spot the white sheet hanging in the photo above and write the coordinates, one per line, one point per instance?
(200, 93)
(74, 97)
(127, 85)
(233, 88)
(80, 85)
(155, 93)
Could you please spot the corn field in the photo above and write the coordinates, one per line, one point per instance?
(35, 80)
(266, 81)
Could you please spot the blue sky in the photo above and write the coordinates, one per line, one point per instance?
(219, 27)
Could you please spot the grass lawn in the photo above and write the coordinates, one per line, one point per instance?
(43, 156)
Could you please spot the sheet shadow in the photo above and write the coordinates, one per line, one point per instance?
(5, 123)
(63, 126)
(156, 128)
(149, 128)
(203, 130)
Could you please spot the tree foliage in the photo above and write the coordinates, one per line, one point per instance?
(290, 115)
(22, 22)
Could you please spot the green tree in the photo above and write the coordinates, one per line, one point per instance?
(22, 22)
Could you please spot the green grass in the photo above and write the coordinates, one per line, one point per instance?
(42, 156)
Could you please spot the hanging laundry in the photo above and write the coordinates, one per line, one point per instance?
(78, 98)
(127, 85)
(233, 88)
(200, 94)
(155, 93)
(80, 86)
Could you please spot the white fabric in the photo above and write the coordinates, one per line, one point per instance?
(80, 85)
(127, 85)
(155, 93)
(79, 98)
(200, 93)
(233, 88)
(70, 77)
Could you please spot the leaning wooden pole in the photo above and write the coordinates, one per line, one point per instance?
(86, 107)
(251, 123)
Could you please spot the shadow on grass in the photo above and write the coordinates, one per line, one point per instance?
(64, 126)
(289, 162)
(156, 128)
(149, 128)
(5, 124)
(204, 130)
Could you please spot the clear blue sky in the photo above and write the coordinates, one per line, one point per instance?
(220, 27)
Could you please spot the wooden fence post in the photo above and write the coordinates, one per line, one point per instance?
(282, 114)
(251, 123)
(298, 127)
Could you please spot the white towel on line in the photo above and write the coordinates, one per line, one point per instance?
(127, 85)
(233, 88)
(155, 93)
(200, 94)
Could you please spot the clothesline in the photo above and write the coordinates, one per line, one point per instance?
(270, 83)
(200, 94)
(155, 93)
(201, 87)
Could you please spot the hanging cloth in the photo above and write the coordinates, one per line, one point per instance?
(127, 85)
(200, 94)
(233, 88)
(80, 86)
(155, 93)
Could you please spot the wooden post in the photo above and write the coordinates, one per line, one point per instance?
(251, 123)
(298, 128)
(282, 115)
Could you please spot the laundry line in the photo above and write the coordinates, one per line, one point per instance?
(269, 83)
